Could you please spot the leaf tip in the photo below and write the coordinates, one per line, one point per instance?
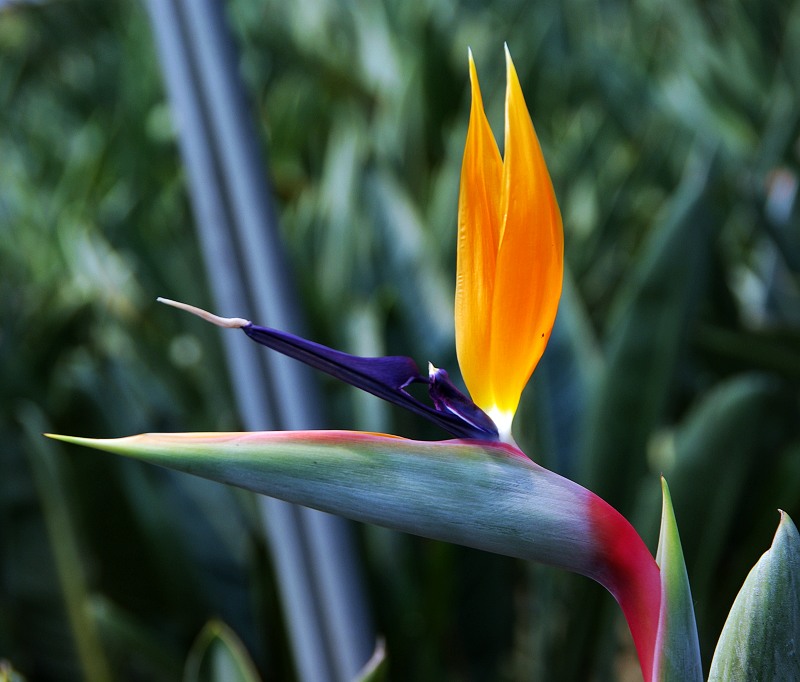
(94, 443)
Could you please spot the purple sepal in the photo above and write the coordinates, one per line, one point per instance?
(387, 378)
(447, 398)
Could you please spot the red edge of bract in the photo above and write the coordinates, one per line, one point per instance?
(627, 569)
(336, 435)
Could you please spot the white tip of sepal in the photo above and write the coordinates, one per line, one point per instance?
(226, 322)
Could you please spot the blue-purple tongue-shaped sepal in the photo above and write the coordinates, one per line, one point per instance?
(387, 378)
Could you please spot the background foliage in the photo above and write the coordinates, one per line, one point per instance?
(672, 133)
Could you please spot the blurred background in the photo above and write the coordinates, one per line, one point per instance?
(672, 133)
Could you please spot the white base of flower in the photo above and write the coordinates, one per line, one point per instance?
(503, 420)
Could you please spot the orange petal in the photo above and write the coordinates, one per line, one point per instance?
(478, 236)
(530, 260)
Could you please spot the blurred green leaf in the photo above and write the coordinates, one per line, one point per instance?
(564, 380)
(135, 645)
(646, 338)
(53, 489)
(715, 461)
(8, 674)
(759, 640)
(218, 655)
(647, 333)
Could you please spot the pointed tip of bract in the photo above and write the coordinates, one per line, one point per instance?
(58, 436)
(77, 440)
(106, 444)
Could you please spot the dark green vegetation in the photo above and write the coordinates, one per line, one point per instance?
(671, 131)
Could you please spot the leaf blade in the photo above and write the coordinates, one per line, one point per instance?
(677, 645)
(760, 637)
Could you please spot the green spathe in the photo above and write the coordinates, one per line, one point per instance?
(761, 637)
(483, 495)
(486, 495)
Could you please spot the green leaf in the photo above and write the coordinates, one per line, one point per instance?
(51, 482)
(158, 658)
(646, 336)
(8, 674)
(760, 638)
(218, 655)
(648, 331)
(677, 647)
(724, 438)
(564, 379)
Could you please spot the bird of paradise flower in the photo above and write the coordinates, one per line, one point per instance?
(477, 489)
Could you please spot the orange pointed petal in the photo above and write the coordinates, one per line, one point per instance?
(530, 260)
(478, 237)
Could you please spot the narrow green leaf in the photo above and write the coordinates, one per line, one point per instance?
(720, 439)
(761, 637)
(376, 668)
(647, 333)
(218, 655)
(677, 654)
(158, 658)
(61, 527)
(645, 336)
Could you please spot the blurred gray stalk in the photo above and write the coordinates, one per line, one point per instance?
(313, 553)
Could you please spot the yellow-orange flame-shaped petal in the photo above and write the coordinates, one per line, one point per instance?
(478, 238)
(510, 256)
